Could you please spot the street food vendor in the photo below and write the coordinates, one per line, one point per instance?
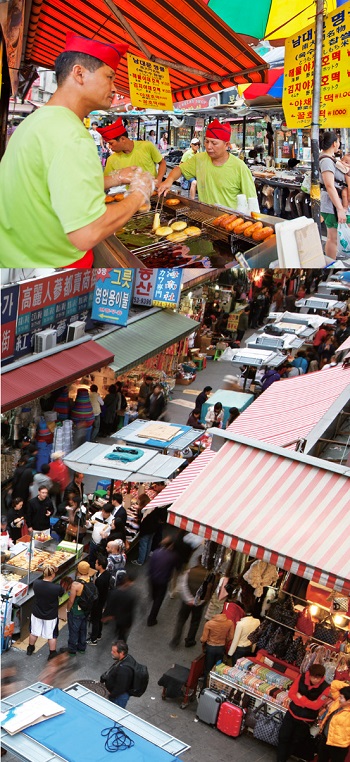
(51, 184)
(220, 176)
(130, 153)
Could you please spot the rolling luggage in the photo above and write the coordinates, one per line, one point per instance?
(231, 719)
(208, 706)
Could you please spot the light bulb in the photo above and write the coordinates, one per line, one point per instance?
(339, 620)
(313, 610)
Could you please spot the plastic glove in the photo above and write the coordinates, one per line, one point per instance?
(142, 182)
(123, 176)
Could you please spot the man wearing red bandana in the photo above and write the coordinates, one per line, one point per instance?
(51, 182)
(220, 176)
(128, 153)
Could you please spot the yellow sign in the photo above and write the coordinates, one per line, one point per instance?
(335, 78)
(232, 323)
(149, 84)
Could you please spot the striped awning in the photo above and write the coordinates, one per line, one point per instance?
(288, 410)
(186, 33)
(177, 487)
(345, 345)
(289, 509)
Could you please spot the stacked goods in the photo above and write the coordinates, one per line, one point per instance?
(232, 223)
(259, 680)
(39, 558)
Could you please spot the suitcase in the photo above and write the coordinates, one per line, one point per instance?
(208, 706)
(231, 719)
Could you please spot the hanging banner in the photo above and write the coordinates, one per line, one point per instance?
(9, 302)
(149, 84)
(232, 323)
(145, 280)
(335, 79)
(168, 288)
(112, 295)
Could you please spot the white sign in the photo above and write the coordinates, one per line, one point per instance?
(145, 281)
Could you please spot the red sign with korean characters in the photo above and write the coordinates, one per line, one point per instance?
(335, 78)
(145, 281)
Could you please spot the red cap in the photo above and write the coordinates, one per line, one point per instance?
(219, 131)
(113, 131)
(109, 54)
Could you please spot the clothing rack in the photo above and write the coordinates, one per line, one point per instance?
(310, 637)
(228, 680)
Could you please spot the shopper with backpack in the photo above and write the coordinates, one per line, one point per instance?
(83, 594)
(125, 677)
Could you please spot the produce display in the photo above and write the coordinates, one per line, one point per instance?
(39, 559)
(232, 223)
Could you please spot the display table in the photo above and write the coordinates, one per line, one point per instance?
(228, 399)
(86, 716)
(184, 437)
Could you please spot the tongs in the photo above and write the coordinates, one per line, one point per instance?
(157, 215)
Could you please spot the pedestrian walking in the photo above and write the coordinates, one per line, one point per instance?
(120, 676)
(121, 607)
(162, 564)
(192, 604)
(44, 618)
(102, 581)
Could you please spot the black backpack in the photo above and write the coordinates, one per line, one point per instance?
(88, 597)
(140, 679)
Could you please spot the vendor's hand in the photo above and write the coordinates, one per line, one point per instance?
(143, 183)
(124, 176)
(164, 187)
(341, 214)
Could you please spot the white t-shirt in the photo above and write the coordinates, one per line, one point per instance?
(96, 136)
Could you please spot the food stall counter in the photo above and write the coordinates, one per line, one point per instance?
(228, 399)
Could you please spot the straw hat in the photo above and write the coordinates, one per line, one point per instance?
(84, 570)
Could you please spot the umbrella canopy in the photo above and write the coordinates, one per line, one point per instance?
(204, 55)
(267, 19)
(273, 88)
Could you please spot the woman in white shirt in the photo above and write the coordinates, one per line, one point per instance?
(215, 416)
(240, 645)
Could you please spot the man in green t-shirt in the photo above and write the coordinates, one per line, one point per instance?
(127, 153)
(220, 176)
(51, 182)
(190, 183)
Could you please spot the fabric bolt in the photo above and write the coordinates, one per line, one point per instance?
(52, 161)
(144, 154)
(219, 184)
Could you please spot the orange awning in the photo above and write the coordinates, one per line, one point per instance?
(185, 32)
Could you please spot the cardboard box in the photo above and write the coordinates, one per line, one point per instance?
(17, 590)
(71, 547)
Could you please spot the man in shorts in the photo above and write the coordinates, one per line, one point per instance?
(44, 618)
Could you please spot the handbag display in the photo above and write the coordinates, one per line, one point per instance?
(296, 652)
(283, 612)
(326, 631)
(304, 622)
(267, 725)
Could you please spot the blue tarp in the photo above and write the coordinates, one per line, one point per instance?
(76, 735)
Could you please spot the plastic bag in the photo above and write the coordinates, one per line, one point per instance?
(306, 183)
(343, 240)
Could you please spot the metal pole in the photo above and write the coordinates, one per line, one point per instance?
(244, 132)
(315, 192)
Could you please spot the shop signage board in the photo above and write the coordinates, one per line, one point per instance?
(232, 323)
(168, 288)
(335, 79)
(50, 302)
(9, 304)
(149, 84)
(112, 295)
(145, 281)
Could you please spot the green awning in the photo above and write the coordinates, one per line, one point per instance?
(145, 338)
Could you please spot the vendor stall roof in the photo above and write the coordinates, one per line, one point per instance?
(344, 345)
(26, 383)
(180, 436)
(207, 55)
(288, 410)
(91, 459)
(177, 487)
(284, 508)
(134, 344)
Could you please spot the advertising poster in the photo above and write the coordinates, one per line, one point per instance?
(112, 295)
(168, 288)
(149, 84)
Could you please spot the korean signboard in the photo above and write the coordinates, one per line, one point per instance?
(168, 287)
(9, 302)
(41, 303)
(232, 323)
(112, 295)
(145, 280)
(149, 84)
(335, 79)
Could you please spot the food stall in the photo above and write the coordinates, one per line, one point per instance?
(228, 399)
(205, 245)
(84, 714)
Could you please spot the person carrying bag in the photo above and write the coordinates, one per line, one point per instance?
(334, 739)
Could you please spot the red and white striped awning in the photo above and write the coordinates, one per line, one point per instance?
(289, 509)
(290, 409)
(344, 345)
(177, 487)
